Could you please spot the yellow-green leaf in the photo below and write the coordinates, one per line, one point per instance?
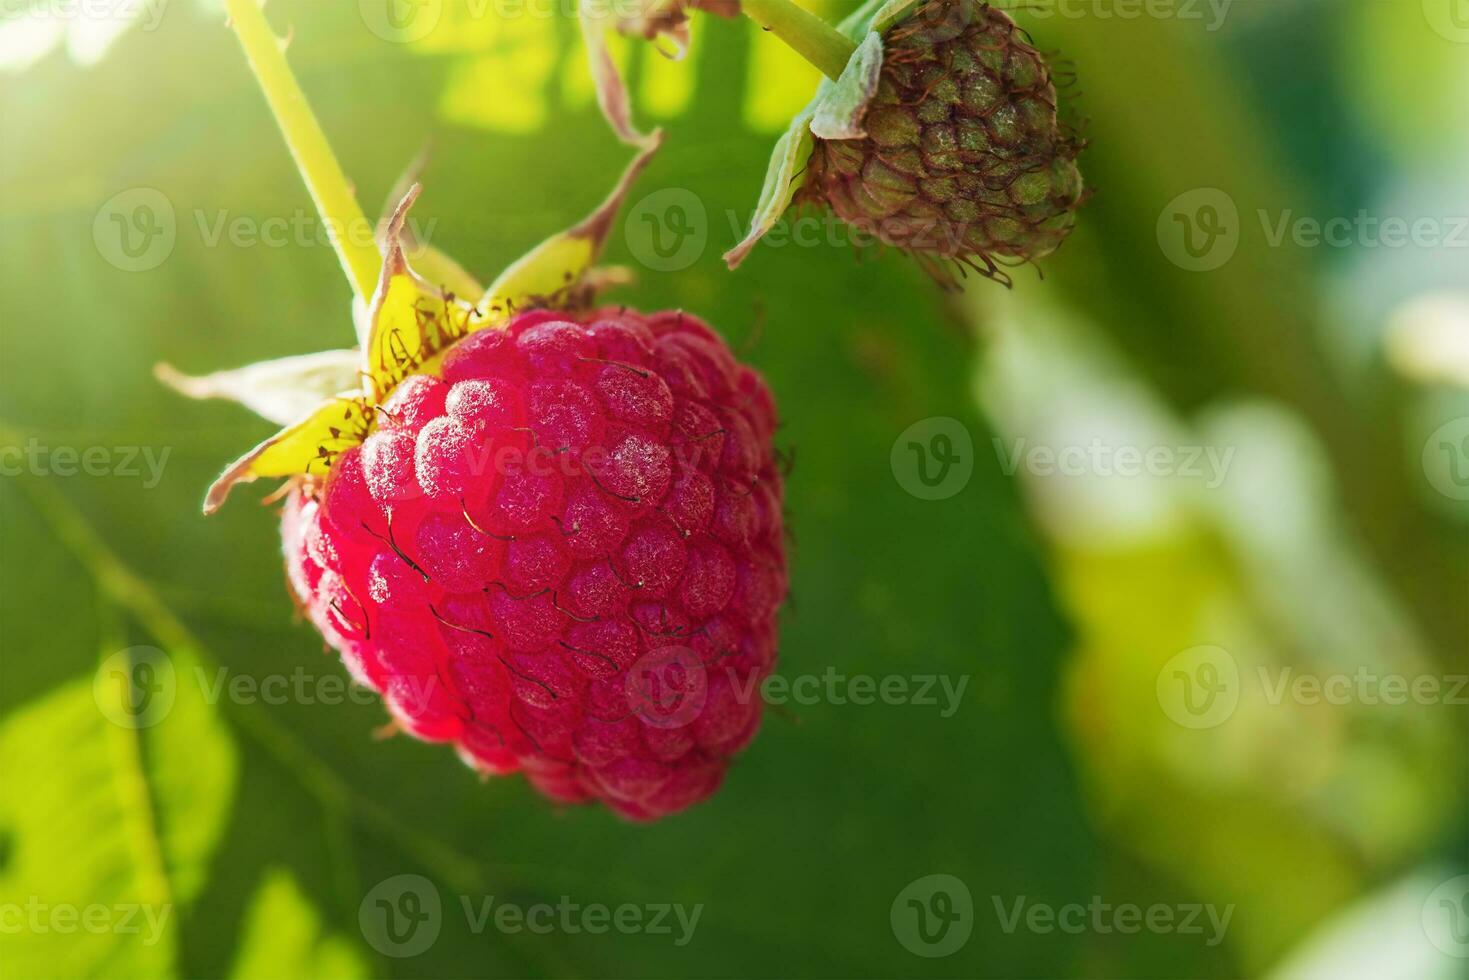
(285, 939)
(115, 795)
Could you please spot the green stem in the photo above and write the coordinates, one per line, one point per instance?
(808, 35)
(330, 190)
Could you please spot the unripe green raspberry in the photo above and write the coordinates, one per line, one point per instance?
(964, 157)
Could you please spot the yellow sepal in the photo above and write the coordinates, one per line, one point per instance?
(309, 447)
(410, 320)
(550, 273)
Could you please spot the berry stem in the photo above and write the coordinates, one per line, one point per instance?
(808, 35)
(330, 190)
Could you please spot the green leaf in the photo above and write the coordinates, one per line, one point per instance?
(284, 938)
(114, 798)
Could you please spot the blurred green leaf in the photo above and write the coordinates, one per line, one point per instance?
(109, 828)
(1408, 80)
(284, 938)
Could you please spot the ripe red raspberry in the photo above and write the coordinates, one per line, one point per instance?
(564, 556)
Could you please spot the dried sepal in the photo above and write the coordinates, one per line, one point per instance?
(279, 391)
(663, 22)
(612, 95)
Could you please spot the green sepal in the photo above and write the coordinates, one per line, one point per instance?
(836, 112)
(842, 105)
(877, 16)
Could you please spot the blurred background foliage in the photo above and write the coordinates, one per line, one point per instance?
(1326, 550)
